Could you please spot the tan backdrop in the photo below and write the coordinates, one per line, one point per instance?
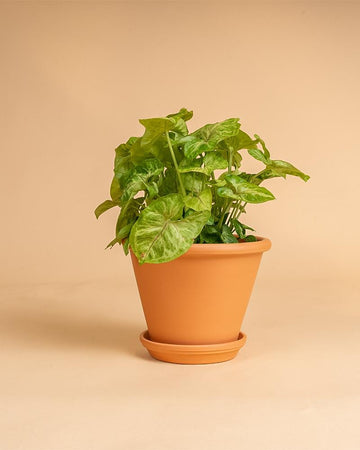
(74, 79)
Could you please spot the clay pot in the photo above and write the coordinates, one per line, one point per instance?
(194, 305)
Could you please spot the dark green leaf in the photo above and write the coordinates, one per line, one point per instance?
(115, 191)
(168, 184)
(226, 235)
(238, 228)
(129, 212)
(250, 238)
(104, 206)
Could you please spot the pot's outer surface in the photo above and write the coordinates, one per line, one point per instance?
(201, 297)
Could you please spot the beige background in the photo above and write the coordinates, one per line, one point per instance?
(75, 77)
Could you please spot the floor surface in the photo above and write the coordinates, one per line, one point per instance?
(75, 377)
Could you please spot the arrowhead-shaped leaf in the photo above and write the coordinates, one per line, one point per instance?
(248, 192)
(161, 234)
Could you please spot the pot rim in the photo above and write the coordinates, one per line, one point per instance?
(261, 245)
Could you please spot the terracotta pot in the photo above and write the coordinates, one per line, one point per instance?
(194, 305)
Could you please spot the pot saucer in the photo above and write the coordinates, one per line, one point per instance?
(192, 354)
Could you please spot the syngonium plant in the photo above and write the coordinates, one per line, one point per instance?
(171, 194)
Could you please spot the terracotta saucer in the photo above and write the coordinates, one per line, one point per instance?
(192, 354)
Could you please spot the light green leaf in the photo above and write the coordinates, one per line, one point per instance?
(193, 146)
(194, 182)
(240, 141)
(262, 143)
(214, 161)
(104, 206)
(161, 234)
(227, 192)
(139, 176)
(283, 168)
(154, 128)
(201, 201)
(183, 114)
(259, 155)
(248, 192)
(214, 133)
(123, 161)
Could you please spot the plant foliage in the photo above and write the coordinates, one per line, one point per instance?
(176, 188)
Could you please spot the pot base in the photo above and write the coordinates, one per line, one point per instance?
(193, 354)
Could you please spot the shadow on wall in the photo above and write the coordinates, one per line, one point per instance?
(62, 330)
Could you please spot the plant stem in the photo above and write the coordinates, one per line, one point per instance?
(223, 214)
(182, 189)
(230, 157)
(240, 210)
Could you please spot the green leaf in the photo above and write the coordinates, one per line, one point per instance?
(194, 182)
(191, 165)
(183, 114)
(123, 161)
(115, 191)
(123, 233)
(226, 235)
(180, 118)
(125, 245)
(129, 212)
(250, 238)
(104, 206)
(239, 141)
(154, 128)
(283, 168)
(259, 155)
(238, 228)
(210, 235)
(193, 146)
(214, 161)
(168, 185)
(201, 201)
(227, 192)
(207, 164)
(161, 234)
(138, 178)
(248, 192)
(214, 133)
(262, 143)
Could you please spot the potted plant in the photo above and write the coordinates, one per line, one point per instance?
(182, 197)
